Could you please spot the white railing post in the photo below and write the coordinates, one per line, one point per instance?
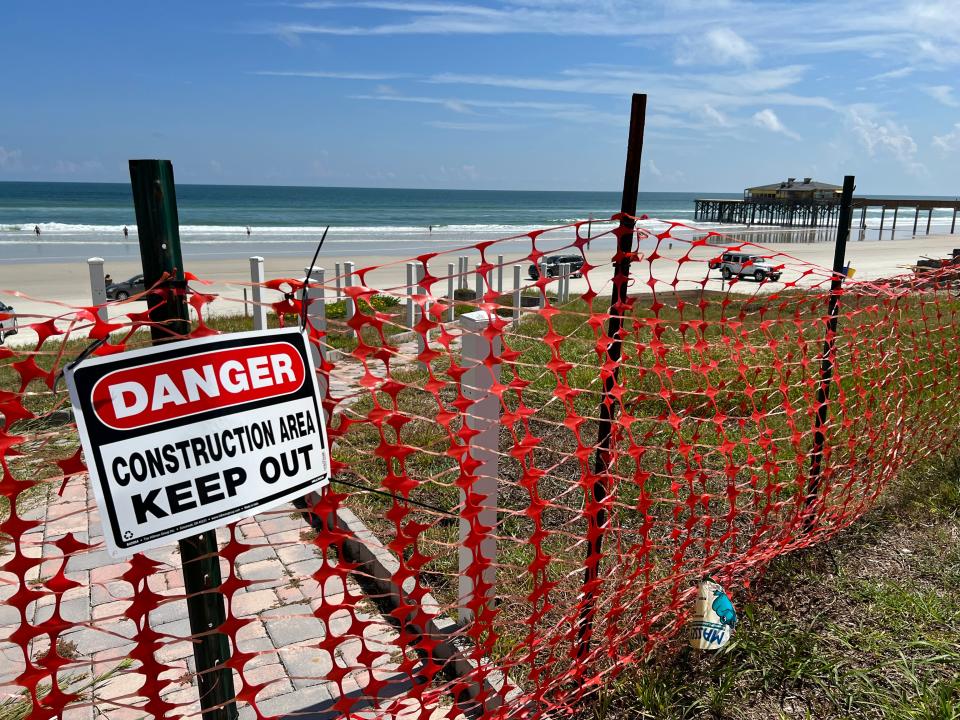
(336, 270)
(347, 283)
(478, 283)
(517, 299)
(482, 415)
(452, 309)
(410, 281)
(500, 274)
(464, 267)
(546, 277)
(256, 290)
(564, 291)
(98, 287)
(316, 305)
(418, 311)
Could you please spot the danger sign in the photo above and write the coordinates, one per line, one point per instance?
(191, 436)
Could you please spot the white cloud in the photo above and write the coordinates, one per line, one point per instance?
(459, 104)
(472, 126)
(877, 133)
(895, 74)
(768, 120)
(942, 94)
(950, 140)
(719, 46)
(715, 117)
(68, 167)
(329, 74)
(9, 159)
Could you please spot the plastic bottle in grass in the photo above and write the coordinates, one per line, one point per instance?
(714, 617)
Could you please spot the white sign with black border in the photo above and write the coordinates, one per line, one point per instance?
(193, 435)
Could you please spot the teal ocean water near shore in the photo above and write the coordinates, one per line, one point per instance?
(78, 220)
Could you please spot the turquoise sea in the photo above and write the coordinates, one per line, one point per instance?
(79, 220)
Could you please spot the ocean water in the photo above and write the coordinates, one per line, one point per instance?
(79, 220)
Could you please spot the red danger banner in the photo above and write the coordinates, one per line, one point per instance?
(191, 436)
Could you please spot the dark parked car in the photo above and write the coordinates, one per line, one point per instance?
(8, 322)
(123, 290)
(553, 264)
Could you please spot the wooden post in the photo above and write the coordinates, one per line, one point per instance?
(155, 201)
(452, 309)
(517, 293)
(929, 219)
(826, 361)
(883, 212)
(953, 223)
(893, 232)
(256, 290)
(98, 286)
(594, 509)
(916, 219)
(481, 355)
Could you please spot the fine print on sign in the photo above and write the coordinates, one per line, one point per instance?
(190, 436)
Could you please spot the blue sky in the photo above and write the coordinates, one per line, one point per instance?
(502, 94)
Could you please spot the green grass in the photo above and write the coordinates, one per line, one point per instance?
(861, 627)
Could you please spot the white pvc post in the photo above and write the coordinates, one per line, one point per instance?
(544, 276)
(256, 280)
(517, 300)
(348, 282)
(316, 305)
(564, 282)
(98, 288)
(482, 415)
(336, 270)
(410, 281)
(499, 273)
(452, 309)
(478, 283)
(419, 311)
(464, 266)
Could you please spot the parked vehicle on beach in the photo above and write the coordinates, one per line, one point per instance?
(742, 265)
(123, 290)
(8, 322)
(553, 264)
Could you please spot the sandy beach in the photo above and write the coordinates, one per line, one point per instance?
(50, 289)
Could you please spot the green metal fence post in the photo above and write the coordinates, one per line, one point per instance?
(155, 201)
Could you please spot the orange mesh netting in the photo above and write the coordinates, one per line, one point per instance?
(473, 555)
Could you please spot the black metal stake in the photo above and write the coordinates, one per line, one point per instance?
(618, 300)
(155, 201)
(829, 343)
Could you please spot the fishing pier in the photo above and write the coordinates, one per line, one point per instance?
(814, 204)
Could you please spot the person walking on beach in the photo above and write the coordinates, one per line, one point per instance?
(36, 229)
(126, 233)
(248, 231)
(431, 229)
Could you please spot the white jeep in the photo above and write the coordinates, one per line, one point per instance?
(735, 264)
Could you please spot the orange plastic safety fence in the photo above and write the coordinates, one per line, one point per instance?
(443, 572)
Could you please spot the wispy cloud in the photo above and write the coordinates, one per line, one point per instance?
(330, 74)
(942, 94)
(768, 120)
(948, 141)
(457, 104)
(9, 159)
(881, 134)
(473, 126)
(719, 46)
